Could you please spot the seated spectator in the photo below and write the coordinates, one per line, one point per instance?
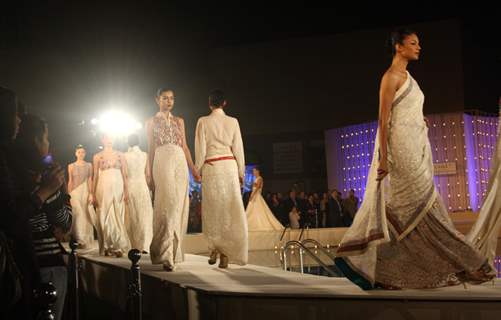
(37, 173)
(18, 272)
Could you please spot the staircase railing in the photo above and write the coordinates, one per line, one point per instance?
(291, 245)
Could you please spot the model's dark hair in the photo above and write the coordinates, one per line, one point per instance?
(32, 127)
(133, 140)
(79, 146)
(162, 90)
(398, 36)
(216, 98)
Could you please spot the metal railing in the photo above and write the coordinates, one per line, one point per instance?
(291, 245)
(320, 247)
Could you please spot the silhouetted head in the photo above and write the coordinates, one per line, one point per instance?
(165, 99)
(217, 99)
(80, 152)
(133, 140)
(404, 43)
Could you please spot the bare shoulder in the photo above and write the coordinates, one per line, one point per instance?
(393, 79)
(390, 76)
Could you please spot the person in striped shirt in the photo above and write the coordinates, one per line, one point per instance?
(33, 168)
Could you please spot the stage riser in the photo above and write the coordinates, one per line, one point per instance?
(199, 291)
(246, 308)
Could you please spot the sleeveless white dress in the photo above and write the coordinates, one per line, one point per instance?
(139, 215)
(259, 216)
(111, 209)
(171, 204)
(84, 216)
(402, 236)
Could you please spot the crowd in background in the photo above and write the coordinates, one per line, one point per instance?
(298, 209)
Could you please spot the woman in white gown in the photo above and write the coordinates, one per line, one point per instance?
(110, 185)
(139, 220)
(259, 216)
(80, 189)
(402, 236)
(169, 158)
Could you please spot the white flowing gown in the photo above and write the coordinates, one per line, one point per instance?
(259, 215)
(111, 208)
(171, 204)
(139, 220)
(402, 236)
(84, 216)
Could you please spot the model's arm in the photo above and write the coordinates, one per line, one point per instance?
(387, 91)
(187, 152)
(147, 170)
(123, 170)
(70, 178)
(95, 166)
(200, 145)
(238, 151)
(90, 184)
(151, 152)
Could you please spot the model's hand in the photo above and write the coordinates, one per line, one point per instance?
(382, 170)
(126, 195)
(427, 122)
(196, 176)
(94, 201)
(51, 182)
(151, 183)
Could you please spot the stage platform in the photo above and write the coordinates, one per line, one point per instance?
(264, 246)
(197, 290)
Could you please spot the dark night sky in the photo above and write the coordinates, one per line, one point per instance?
(68, 62)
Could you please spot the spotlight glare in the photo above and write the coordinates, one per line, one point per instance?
(117, 123)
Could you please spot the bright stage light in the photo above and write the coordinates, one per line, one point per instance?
(117, 123)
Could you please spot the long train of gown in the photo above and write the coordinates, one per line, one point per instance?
(223, 215)
(259, 215)
(84, 216)
(171, 204)
(139, 220)
(485, 232)
(402, 236)
(111, 212)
